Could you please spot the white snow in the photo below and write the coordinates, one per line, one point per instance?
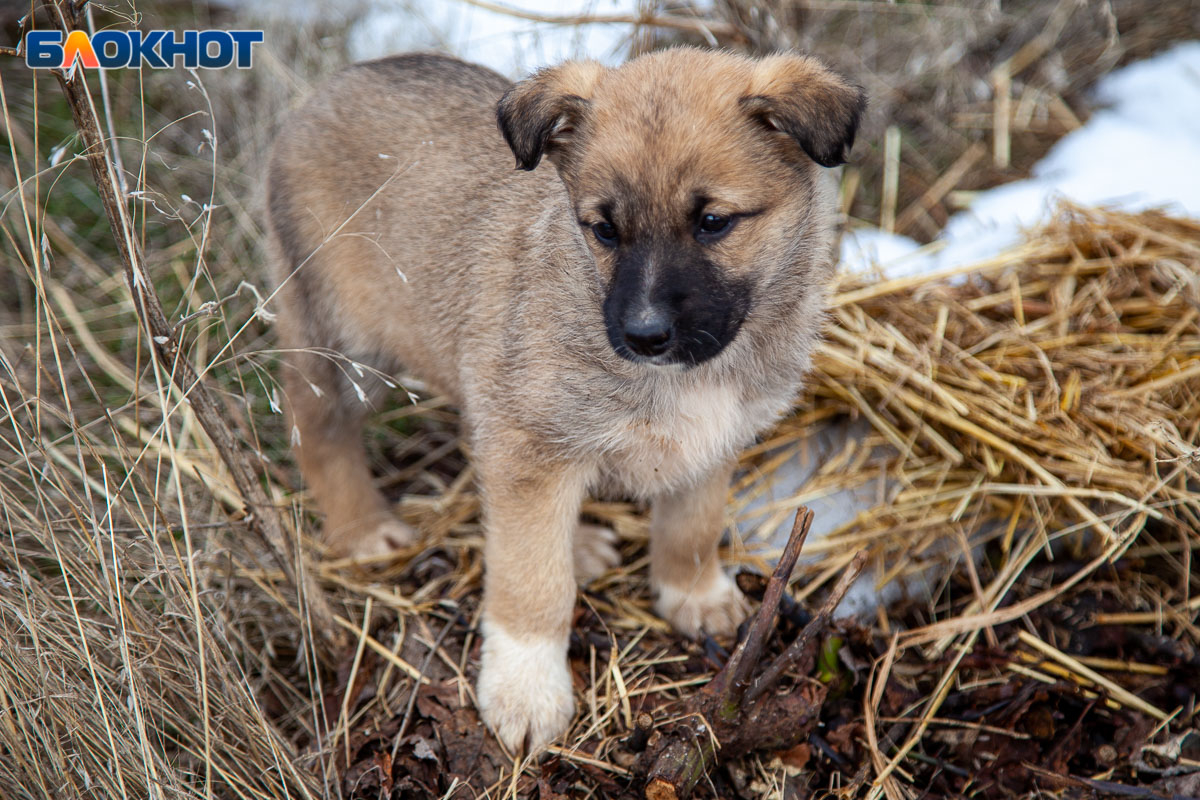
(871, 249)
(507, 43)
(770, 502)
(1140, 150)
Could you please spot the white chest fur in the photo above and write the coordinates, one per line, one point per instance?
(690, 430)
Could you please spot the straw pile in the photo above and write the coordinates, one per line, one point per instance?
(1052, 391)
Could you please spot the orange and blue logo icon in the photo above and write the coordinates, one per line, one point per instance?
(132, 48)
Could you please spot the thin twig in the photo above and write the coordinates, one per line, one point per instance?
(673, 21)
(412, 698)
(745, 657)
(788, 658)
(262, 515)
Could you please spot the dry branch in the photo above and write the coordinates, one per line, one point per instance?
(260, 513)
(692, 24)
(734, 714)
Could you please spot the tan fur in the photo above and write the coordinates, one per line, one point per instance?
(403, 238)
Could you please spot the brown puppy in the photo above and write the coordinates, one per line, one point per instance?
(627, 318)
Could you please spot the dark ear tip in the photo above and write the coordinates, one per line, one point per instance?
(861, 93)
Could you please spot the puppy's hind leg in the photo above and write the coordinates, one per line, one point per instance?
(327, 415)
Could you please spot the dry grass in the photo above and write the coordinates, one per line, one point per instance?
(1044, 404)
(1051, 390)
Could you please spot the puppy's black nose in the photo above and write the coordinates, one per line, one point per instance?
(648, 333)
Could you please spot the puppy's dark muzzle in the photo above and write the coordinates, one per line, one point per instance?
(684, 311)
(649, 333)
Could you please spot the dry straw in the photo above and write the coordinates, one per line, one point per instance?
(1048, 399)
(1044, 404)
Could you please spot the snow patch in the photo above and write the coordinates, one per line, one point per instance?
(505, 42)
(1140, 151)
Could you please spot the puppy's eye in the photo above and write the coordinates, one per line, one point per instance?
(713, 226)
(606, 233)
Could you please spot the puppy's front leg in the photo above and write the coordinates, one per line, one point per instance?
(694, 593)
(531, 509)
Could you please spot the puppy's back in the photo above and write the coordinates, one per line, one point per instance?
(369, 185)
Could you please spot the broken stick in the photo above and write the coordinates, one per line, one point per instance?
(734, 713)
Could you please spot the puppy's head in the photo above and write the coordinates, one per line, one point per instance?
(694, 175)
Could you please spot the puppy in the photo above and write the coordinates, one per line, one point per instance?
(625, 317)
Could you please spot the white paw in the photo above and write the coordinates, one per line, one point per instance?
(595, 552)
(525, 693)
(716, 609)
(376, 541)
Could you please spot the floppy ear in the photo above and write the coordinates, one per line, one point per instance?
(799, 96)
(539, 115)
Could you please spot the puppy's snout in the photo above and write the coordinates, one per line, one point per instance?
(649, 332)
